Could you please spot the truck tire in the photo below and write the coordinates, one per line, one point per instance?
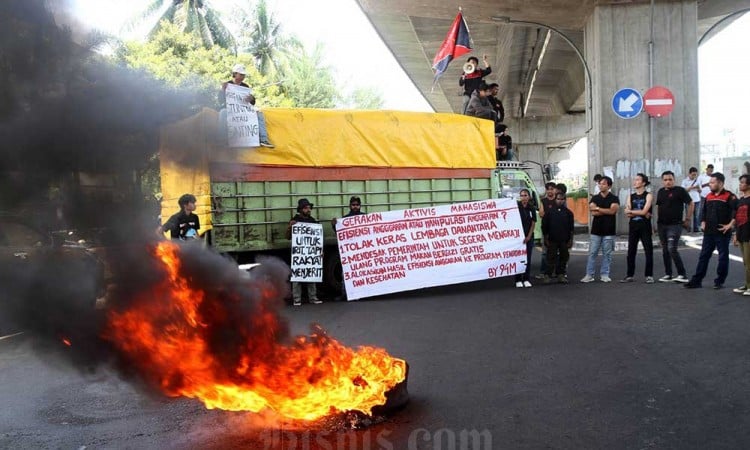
(333, 276)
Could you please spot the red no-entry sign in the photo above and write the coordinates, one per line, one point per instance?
(658, 101)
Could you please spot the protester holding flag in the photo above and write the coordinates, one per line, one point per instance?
(472, 81)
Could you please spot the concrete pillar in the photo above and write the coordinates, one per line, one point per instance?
(617, 50)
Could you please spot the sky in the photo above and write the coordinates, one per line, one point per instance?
(352, 46)
(723, 68)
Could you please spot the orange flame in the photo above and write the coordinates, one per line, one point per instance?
(169, 338)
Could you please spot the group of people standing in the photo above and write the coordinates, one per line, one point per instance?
(480, 99)
(720, 213)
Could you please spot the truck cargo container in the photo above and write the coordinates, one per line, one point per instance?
(392, 160)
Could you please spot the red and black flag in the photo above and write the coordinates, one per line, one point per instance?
(457, 43)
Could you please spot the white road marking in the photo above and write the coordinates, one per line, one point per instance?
(10, 335)
(698, 247)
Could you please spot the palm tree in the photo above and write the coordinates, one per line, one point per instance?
(191, 16)
(266, 40)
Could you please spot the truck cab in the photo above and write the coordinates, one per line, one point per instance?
(513, 176)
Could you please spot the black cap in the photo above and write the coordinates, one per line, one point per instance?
(301, 203)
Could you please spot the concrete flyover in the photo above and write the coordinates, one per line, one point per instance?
(533, 47)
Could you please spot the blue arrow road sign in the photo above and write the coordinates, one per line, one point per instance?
(627, 103)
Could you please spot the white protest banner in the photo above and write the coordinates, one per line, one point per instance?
(307, 252)
(242, 120)
(416, 248)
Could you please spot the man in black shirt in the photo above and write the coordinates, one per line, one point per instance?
(184, 224)
(717, 220)
(742, 235)
(497, 105)
(603, 207)
(547, 203)
(670, 203)
(638, 209)
(557, 227)
(355, 209)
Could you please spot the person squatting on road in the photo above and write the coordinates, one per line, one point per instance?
(742, 231)
(528, 221)
(603, 207)
(638, 209)
(558, 228)
(184, 224)
(304, 214)
(717, 220)
(670, 207)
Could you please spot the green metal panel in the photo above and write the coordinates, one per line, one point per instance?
(253, 216)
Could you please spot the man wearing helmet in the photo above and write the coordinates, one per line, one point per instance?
(238, 77)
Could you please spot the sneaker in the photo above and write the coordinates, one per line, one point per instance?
(627, 280)
(540, 276)
(297, 303)
(666, 279)
(746, 293)
(691, 285)
(605, 279)
(649, 280)
(680, 279)
(741, 290)
(562, 279)
(267, 144)
(718, 286)
(526, 284)
(546, 280)
(587, 279)
(316, 301)
(519, 284)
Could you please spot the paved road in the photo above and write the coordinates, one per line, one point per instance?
(579, 366)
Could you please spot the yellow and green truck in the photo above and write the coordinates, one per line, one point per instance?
(392, 160)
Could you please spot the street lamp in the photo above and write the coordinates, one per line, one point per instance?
(589, 102)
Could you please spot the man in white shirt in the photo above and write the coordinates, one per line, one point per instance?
(703, 180)
(692, 185)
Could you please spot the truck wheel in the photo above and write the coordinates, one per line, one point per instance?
(333, 276)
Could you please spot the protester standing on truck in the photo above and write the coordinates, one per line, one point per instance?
(304, 214)
(184, 224)
(528, 221)
(238, 77)
(355, 209)
(471, 81)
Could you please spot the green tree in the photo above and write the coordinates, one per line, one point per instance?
(365, 97)
(308, 82)
(178, 59)
(262, 36)
(195, 17)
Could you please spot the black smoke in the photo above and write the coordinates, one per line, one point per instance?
(78, 136)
